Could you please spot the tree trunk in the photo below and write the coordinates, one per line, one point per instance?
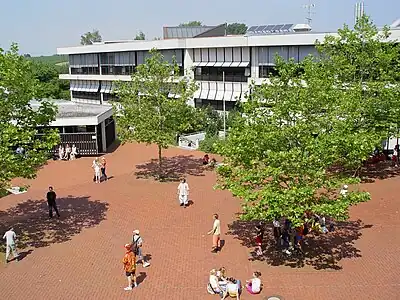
(160, 162)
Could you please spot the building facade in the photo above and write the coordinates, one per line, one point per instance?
(223, 66)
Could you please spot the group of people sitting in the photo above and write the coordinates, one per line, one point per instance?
(207, 162)
(67, 153)
(219, 283)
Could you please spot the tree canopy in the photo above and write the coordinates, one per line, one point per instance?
(305, 133)
(153, 105)
(140, 36)
(91, 37)
(19, 122)
(236, 29)
(49, 85)
(191, 24)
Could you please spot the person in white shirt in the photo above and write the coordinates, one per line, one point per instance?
(74, 152)
(60, 152)
(10, 238)
(253, 285)
(216, 233)
(97, 171)
(213, 284)
(344, 190)
(183, 193)
(137, 244)
(67, 152)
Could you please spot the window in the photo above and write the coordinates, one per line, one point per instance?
(110, 97)
(217, 74)
(85, 70)
(215, 104)
(267, 71)
(86, 95)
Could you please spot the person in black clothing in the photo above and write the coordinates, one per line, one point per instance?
(51, 201)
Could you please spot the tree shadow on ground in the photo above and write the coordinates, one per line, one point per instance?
(173, 168)
(34, 229)
(322, 251)
(382, 170)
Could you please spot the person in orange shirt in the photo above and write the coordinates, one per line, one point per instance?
(129, 262)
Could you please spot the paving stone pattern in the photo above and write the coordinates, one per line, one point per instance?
(79, 255)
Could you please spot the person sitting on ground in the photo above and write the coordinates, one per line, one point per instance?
(222, 278)
(233, 289)
(254, 285)
(344, 190)
(206, 160)
(61, 152)
(74, 152)
(213, 163)
(67, 152)
(213, 286)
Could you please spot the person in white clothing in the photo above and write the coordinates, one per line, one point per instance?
(97, 171)
(60, 152)
(74, 152)
(344, 190)
(10, 238)
(183, 193)
(254, 285)
(137, 244)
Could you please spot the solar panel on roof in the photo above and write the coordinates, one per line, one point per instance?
(279, 27)
(261, 28)
(287, 26)
(252, 28)
(269, 27)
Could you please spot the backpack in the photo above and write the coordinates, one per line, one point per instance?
(135, 247)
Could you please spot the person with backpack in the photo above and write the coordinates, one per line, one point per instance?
(137, 243)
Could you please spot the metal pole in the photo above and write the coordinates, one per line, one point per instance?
(223, 103)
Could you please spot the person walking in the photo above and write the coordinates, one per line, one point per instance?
(51, 201)
(137, 244)
(129, 262)
(10, 238)
(216, 233)
(103, 168)
(183, 193)
(97, 171)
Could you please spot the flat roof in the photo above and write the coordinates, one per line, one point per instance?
(78, 114)
(279, 39)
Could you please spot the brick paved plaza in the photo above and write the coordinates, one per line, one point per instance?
(79, 256)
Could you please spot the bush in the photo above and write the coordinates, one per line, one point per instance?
(210, 144)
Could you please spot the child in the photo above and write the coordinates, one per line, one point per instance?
(253, 285)
(129, 262)
(259, 238)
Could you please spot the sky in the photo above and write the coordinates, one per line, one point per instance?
(40, 26)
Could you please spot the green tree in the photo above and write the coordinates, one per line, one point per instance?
(91, 37)
(50, 86)
(236, 29)
(146, 113)
(140, 36)
(191, 24)
(302, 136)
(19, 122)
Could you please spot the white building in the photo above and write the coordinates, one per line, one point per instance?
(222, 65)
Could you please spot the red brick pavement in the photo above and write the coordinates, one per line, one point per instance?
(79, 256)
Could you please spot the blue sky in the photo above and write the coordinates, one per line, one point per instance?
(40, 26)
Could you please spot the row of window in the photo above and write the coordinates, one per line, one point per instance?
(110, 70)
(221, 74)
(215, 104)
(86, 95)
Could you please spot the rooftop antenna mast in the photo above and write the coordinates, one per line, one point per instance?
(310, 11)
(358, 11)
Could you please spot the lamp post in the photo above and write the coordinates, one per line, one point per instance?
(223, 103)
